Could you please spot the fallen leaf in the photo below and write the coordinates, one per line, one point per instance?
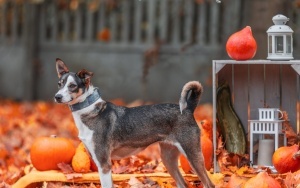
(65, 168)
(71, 176)
(135, 183)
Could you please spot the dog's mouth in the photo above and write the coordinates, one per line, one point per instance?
(59, 99)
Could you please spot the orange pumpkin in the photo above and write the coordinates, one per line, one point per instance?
(207, 150)
(104, 35)
(236, 181)
(241, 45)
(206, 128)
(284, 160)
(47, 152)
(262, 180)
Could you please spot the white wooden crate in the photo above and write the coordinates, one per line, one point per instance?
(258, 83)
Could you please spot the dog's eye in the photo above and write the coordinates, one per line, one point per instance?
(59, 84)
(72, 86)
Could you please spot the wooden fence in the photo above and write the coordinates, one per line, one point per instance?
(152, 43)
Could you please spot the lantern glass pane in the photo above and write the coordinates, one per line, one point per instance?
(270, 44)
(278, 44)
(289, 44)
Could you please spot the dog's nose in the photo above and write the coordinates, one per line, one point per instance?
(58, 97)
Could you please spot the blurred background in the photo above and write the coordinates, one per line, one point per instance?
(137, 49)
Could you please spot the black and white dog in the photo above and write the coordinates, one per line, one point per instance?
(114, 132)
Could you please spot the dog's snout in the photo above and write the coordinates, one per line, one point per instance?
(58, 97)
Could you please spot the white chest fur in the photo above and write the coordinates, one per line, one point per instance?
(84, 133)
(86, 136)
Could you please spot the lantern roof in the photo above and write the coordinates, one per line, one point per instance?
(280, 20)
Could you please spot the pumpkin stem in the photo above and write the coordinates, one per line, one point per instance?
(297, 154)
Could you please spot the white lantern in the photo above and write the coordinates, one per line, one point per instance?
(280, 39)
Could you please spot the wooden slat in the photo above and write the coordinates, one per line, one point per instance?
(226, 75)
(298, 105)
(256, 89)
(66, 25)
(42, 24)
(289, 93)
(163, 20)
(137, 21)
(231, 18)
(151, 12)
(125, 4)
(54, 24)
(113, 22)
(175, 16)
(201, 31)
(272, 86)
(214, 23)
(188, 23)
(89, 24)
(240, 93)
(14, 28)
(101, 16)
(78, 24)
(3, 28)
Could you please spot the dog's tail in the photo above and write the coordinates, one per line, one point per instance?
(190, 95)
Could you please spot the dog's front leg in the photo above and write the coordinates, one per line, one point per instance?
(103, 161)
(105, 177)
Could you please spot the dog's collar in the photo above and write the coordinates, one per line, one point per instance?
(87, 102)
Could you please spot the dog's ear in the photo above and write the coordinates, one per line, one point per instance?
(85, 76)
(61, 68)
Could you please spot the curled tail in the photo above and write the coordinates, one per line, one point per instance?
(191, 100)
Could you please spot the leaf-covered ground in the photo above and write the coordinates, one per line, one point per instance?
(22, 122)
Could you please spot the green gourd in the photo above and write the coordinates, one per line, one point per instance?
(230, 125)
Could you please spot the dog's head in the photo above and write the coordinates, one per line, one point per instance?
(72, 87)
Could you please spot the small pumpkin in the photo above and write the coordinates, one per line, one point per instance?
(81, 162)
(236, 181)
(241, 45)
(206, 128)
(47, 152)
(207, 150)
(284, 159)
(262, 180)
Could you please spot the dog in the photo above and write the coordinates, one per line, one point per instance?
(114, 132)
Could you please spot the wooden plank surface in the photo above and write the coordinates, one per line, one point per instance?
(188, 20)
(89, 24)
(214, 23)
(78, 24)
(151, 21)
(289, 94)
(202, 23)
(240, 93)
(138, 5)
(66, 25)
(125, 21)
(272, 86)
(256, 89)
(3, 21)
(163, 20)
(54, 22)
(175, 16)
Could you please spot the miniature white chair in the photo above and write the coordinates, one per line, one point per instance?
(268, 123)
